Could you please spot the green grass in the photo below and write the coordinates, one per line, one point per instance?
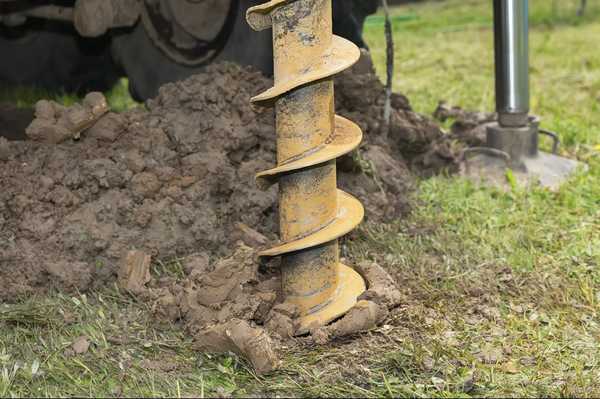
(502, 289)
(123, 359)
(445, 51)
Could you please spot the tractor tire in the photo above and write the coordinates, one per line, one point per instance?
(349, 18)
(52, 56)
(148, 67)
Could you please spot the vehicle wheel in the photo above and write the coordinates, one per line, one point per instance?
(52, 56)
(349, 18)
(158, 50)
(148, 60)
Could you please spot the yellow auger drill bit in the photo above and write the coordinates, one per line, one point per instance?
(313, 212)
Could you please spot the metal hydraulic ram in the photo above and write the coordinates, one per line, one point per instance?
(511, 45)
(513, 141)
(313, 212)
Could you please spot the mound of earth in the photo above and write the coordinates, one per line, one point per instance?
(176, 180)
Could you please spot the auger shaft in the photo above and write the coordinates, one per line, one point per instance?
(304, 121)
(309, 137)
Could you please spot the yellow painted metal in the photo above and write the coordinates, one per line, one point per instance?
(313, 212)
(346, 137)
(350, 214)
(340, 56)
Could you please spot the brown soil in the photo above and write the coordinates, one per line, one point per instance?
(469, 127)
(178, 179)
(236, 305)
(55, 123)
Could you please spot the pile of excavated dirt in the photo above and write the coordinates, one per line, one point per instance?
(177, 180)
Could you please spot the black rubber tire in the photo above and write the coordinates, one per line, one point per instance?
(148, 68)
(349, 18)
(52, 56)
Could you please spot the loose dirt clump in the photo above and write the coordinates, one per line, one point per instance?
(468, 127)
(177, 179)
(222, 305)
(236, 305)
(134, 271)
(55, 123)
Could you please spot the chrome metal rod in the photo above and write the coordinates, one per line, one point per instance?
(511, 40)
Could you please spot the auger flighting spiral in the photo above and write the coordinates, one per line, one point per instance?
(314, 214)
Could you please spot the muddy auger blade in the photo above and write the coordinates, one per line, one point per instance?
(313, 212)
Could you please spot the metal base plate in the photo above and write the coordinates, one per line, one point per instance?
(547, 170)
(351, 286)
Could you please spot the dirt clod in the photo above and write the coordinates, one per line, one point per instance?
(281, 320)
(381, 288)
(250, 236)
(468, 126)
(320, 336)
(197, 263)
(365, 315)
(55, 123)
(240, 337)
(134, 272)
(108, 128)
(80, 345)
